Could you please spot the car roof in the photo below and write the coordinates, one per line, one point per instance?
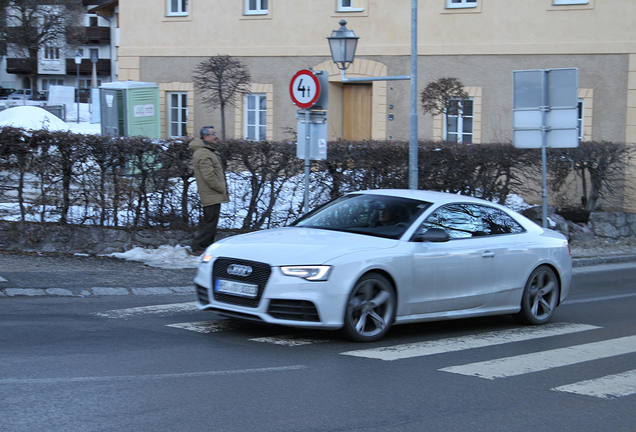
(426, 195)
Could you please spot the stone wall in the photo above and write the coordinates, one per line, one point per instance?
(601, 225)
(48, 237)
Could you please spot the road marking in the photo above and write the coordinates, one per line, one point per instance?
(22, 381)
(3, 279)
(607, 387)
(157, 309)
(209, 326)
(420, 349)
(595, 299)
(544, 360)
(288, 340)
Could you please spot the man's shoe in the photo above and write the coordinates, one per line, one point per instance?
(197, 253)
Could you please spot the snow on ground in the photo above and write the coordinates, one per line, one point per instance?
(35, 118)
(168, 257)
(31, 118)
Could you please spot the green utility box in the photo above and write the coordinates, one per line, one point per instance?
(130, 108)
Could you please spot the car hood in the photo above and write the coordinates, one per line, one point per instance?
(296, 246)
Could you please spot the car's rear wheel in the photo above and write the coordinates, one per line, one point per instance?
(371, 308)
(540, 296)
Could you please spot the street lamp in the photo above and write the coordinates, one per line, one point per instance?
(78, 60)
(343, 43)
(94, 60)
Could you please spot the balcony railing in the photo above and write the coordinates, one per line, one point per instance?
(22, 66)
(98, 35)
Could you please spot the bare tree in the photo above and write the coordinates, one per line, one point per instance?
(603, 163)
(33, 25)
(443, 96)
(220, 78)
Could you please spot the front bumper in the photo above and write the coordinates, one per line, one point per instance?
(281, 299)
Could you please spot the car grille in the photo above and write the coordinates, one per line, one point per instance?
(259, 275)
(293, 310)
(202, 295)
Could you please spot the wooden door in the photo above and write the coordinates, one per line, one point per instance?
(356, 118)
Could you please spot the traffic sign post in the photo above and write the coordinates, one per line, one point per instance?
(545, 114)
(305, 90)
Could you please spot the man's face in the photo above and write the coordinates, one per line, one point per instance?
(210, 138)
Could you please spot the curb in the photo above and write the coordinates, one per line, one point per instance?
(610, 259)
(96, 291)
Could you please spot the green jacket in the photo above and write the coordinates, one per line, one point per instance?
(208, 171)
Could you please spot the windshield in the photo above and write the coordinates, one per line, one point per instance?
(376, 215)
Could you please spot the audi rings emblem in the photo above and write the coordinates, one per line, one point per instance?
(239, 270)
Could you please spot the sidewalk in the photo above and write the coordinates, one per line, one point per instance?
(35, 275)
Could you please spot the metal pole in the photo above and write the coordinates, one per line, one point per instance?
(307, 161)
(78, 88)
(413, 151)
(544, 157)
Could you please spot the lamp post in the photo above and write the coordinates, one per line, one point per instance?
(78, 60)
(343, 43)
(94, 59)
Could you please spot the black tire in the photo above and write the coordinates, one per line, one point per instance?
(540, 297)
(370, 309)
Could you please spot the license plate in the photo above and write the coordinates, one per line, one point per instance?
(236, 288)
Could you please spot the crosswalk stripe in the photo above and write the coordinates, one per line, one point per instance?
(544, 360)
(288, 340)
(156, 309)
(208, 326)
(607, 387)
(419, 349)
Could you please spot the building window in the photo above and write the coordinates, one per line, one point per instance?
(48, 82)
(459, 123)
(570, 2)
(461, 3)
(178, 114)
(256, 7)
(51, 53)
(177, 7)
(255, 122)
(350, 6)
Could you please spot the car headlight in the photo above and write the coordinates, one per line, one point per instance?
(310, 273)
(206, 257)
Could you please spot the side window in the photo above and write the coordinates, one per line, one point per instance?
(458, 220)
(255, 111)
(497, 222)
(256, 7)
(177, 7)
(178, 114)
(461, 3)
(471, 220)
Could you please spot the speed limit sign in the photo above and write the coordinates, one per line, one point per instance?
(304, 89)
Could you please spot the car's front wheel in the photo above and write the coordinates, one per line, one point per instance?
(540, 297)
(371, 308)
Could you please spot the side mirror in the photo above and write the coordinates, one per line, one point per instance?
(434, 235)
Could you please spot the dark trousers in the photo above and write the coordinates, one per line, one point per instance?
(208, 228)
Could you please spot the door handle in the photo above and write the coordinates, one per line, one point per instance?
(488, 254)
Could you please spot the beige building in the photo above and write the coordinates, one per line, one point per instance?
(480, 42)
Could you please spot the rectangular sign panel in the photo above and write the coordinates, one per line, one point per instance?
(545, 108)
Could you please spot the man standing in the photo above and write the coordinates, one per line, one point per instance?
(211, 186)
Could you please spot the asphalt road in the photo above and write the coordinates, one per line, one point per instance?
(154, 363)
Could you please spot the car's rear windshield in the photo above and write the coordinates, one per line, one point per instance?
(376, 215)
